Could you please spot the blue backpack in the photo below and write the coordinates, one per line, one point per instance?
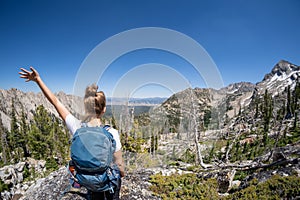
(92, 151)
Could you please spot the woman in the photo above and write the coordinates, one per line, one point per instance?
(95, 107)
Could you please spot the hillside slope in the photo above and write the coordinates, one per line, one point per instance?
(239, 135)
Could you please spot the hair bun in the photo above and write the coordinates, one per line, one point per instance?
(91, 90)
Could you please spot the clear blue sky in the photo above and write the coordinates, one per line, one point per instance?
(245, 39)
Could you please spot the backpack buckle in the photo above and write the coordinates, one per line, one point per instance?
(111, 190)
(72, 171)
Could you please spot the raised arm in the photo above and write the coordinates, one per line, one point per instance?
(34, 76)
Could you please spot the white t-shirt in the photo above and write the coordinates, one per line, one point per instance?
(73, 124)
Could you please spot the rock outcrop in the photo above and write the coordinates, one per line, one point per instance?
(55, 186)
(13, 176)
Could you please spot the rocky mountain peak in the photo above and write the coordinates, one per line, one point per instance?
(283, 74)
(282, 68)
(241, 87)
(28, 101)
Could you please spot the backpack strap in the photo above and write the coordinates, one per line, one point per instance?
(106, 127)
(84, 124)
(110, 178)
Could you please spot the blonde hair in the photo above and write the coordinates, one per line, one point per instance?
(94, 102)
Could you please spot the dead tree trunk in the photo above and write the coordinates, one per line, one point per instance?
(194, 127)
(233, 142)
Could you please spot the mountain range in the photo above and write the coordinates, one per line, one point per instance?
(244, 131)
(228, 100)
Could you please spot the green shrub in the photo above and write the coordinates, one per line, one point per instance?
(276, 187)
(3, 186)
(240, 175)
(187, 186)
(26, 173)
(51, 164)
(188, 156)
(132, 144)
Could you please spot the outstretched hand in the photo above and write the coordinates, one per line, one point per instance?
(29, 76)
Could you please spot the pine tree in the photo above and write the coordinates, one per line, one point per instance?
(288, 104)
(296, 103)
(24, 129)
(256, 108)
(39, 132)
(48, 139)
(4, 149)
(14, 138)
(35, 143)
(60, 139)
(113, 122)
(43, 120)
(267, 114)
(154, 143)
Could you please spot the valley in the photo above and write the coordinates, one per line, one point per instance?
(239, 140)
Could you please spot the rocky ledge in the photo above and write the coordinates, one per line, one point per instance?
(135, 186)
(55, 186)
